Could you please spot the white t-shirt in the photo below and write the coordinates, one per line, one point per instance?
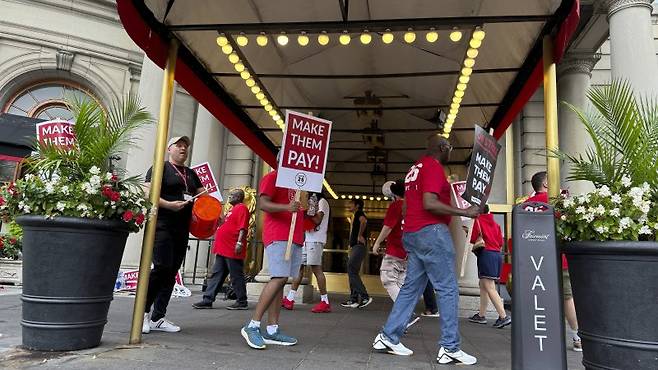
(320, 234)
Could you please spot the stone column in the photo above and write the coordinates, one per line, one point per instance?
(574, 74)
(632, 52)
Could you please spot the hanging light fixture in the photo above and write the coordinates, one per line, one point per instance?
(387, 37)
(323, 38)
(455, 35)
(282, 39)
(261, 39)
(432, 35)
(302, 39)
(409, 36)
(222, 40)
(344, 39)
(233, 58)
(242, 40)
(365, 37)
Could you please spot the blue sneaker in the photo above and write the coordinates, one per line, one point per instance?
(253, 337)
(279, 338)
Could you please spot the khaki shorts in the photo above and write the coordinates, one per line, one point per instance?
(566, 285)
(312, 253)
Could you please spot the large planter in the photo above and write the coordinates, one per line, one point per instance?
(616, 298)
(11, 271)
(69, 269)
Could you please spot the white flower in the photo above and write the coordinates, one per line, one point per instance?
(50, 188)
(94, 170)
(645, 230)
(626, 181)
(108, 176)
(600, 210)
(60, 206)
(625, 223)
(89, 188)
(588, 217)
(95, 180)
(65, 190)
(645, 207)
(601, 229)
(636, 192)
(82, 207)
(614, 212)
(581, 210)
(568, 202)
(605, 191)
(643, 219)
(616, 198)
(645, 186)
(563, 218)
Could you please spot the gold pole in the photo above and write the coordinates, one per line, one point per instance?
(550, 114)
(509, 177)
(154, 196)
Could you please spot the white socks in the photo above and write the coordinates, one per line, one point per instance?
(291, 295)
(324, 298)
(271, 329)
(254, 324)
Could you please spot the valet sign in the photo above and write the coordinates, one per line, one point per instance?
(57, 132)
(303, 158)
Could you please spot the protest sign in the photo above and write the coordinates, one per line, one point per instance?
(57, 132)
(460, 227)
(207, 178)
(481, 169)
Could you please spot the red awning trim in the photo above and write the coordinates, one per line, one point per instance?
(4, 157)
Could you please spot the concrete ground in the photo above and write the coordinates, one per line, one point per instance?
(210, 339)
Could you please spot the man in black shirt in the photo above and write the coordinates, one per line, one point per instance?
(359, 296)
(179, 185)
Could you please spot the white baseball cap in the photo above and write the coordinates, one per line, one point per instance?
(176, 139)
(386, 189)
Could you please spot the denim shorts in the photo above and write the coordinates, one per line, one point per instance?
(489, 264)
(277, 263)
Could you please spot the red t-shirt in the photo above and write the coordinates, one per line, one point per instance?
(227, 234)
(393, 219)
(486, 226)
(277, 225)
(542, 196)
(426, 176)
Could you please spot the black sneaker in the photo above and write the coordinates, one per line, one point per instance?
(478, 319)
(365, 302)
(350, 304)
(501, 323)
(202, 304)
(238, 306)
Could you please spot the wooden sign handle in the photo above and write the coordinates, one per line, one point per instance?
(467, 249)
(293, 223)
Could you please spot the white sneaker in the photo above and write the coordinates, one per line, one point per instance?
(455, 358)
(382, 344)
(414, 320)
(164, 325)
(146, 328)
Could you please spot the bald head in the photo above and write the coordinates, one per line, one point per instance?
(439, 147)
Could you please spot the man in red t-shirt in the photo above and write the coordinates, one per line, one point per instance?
(278, 205)
(230, 251)
(430, 255)
(540, 186)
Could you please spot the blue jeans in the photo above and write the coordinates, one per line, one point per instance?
(431, 256)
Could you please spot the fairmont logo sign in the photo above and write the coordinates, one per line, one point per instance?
(531, 235)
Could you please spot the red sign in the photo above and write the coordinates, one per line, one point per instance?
(458, 188)
(207, 178)
(304, 153)
(130, 279)
(57, 132)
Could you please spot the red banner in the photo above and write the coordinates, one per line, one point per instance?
(57, 132)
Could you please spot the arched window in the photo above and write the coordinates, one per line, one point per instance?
(45, 100)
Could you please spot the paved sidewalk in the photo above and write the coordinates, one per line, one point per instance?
(210, 339)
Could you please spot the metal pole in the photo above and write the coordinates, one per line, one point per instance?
(154, 196)
(550, 114)
(510, 182)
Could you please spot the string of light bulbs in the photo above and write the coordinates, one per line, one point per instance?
(364, 197)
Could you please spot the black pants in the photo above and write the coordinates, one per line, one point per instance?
(222, 267)
(169, 252)
(430, 298)
(357, 289)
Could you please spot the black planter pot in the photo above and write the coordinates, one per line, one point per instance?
(69, 270)
(614, 288)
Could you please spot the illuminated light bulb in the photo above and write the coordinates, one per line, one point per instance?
(450, 121)
(233, 58)
(264, 102)
(276, 117)
(461, 87)
(245, 75)
(280, 122)
(343, 196)
(239, 67)
(349, 197)
(472, 53)
(344, 39)
(242, 40)
(469, 62)
(261, 40)
(357, 197)
(387, 37)
(227, 49)
(272, 113)
(250, 82)
(255, 89)
(379, 198)
(447, 125)
(452, 116)
(302, 39)
(467, 71)
(479, 34)
(446, 135)
(456, 100)
(260, 96)
(323, 38)
(432, 35)
(447, 130)
(385, 198)
(454, 111)
(282, 39)
(464, 79)
(459, 94)
(222, 40)
(455, 35)
(409, 36)
(268, 107)
(365, 37)
(475, 43)
(454, 106)
(372, 198)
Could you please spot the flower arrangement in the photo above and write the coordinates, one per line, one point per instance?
(10, 246)
(80, 181)
(622, 164)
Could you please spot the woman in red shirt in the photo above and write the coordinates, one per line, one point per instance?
(488, 241)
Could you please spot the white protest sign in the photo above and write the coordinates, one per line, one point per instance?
(207, 178)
